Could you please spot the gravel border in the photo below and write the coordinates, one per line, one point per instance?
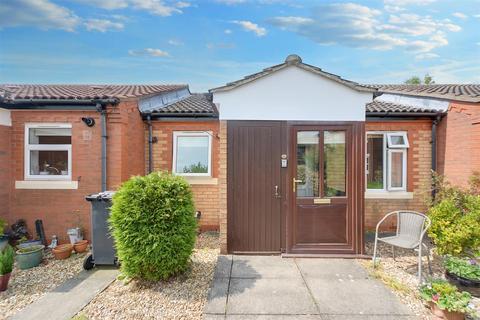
(27, 286)
(182, 297)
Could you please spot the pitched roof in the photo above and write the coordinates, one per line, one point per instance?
(197, 103)
(293, 59)
(459, 92)
(384, 107)
(12, 92)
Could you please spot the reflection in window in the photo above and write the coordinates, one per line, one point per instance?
(375, 161)
(192, 153)
(307, 163)
(396, 171)
(43, 162)
(334, 163)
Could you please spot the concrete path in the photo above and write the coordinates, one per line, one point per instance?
(69, 298)
(271, 287)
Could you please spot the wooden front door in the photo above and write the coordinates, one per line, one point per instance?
(326, 182)
(255, 186)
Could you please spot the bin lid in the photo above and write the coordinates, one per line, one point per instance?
(105, 196)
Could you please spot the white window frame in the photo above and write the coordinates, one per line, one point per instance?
(391, 145)
(176, 135)
(387, 150)
(46, 147)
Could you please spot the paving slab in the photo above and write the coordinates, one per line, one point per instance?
(217, 296)
(223, 266)
(331, 268)
(355, 297)
(269, 296)
(273, 317)
(69, 298)
(368, 317)
(264, 267)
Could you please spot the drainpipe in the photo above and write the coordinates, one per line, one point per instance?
(150, 143)
(103, 114)
(434, 149)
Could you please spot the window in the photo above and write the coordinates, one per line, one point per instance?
(386, 161)
(192, 153)
(48, 151)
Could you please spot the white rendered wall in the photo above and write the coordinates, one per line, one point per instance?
(5, 118)
(292, 94)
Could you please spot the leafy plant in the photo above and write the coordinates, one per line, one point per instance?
(446, 296)
(6, 260)
(3, 225)
(465, 268)
(455, 216)
(153, 225)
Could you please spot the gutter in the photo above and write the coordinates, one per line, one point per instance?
(54, 104)
(182, 115)
(150, 143)
(401, 114)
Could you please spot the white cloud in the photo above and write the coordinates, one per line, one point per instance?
(404, 3)
(426, 56)
(358, 26)
(476, 15)
(102, 25)
(156, 7)
(149, 52)
(182, 4)
(460, 15)
(106, 4)
(37, 13)
(175, 42)
(227, 31)
(252, 27)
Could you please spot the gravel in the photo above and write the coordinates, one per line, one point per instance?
(401, 273)
(182, 297)
(27, 286)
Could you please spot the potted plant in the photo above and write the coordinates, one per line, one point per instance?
(463, 273)
(80, 246)
(6, 266)
(445, 301)
(3, 236)
(62, 251)
(29, 257)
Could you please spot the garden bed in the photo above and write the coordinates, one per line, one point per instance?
(401, 274)
(27, 286)
(182, 297)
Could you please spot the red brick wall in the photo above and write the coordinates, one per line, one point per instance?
(418, 171)
(458, 153)
(5, 171)
(205, 195)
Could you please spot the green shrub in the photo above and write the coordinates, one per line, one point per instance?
(6, 260)
(465, 268)
(446, 296)
(153, 224)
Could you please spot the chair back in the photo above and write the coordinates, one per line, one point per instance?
(412, 224)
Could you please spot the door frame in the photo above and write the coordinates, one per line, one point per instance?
(355, 185)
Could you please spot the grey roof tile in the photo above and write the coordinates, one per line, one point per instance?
(383, 107)
(458, 92)
(199, 103)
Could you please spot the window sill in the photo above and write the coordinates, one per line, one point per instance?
(193, 180)
(46, 184)
(388, 195)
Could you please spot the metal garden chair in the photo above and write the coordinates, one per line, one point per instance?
(411, 227)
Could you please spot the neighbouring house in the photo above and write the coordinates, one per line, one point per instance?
(291, 160)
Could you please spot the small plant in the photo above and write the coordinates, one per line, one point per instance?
(446, 296)
(465, 268)
(6, 260)
(153, 225)
(3, 225)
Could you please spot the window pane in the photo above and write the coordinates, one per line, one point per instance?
(375, 161)
(397, 140)
(48, 162)
(192, 154)
(307, 163)
(50, 136)
(334, 163)
(397, 170)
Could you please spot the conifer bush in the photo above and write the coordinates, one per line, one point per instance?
(153, 225)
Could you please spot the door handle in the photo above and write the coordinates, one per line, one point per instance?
(295, 181)
(277, 195)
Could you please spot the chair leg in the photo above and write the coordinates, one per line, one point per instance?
(428, 259)
(419, 264)
(375, 251)
(393, 252)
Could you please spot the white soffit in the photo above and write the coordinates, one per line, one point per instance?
(292, 93)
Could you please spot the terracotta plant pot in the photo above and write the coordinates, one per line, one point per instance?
(464, 284)
(4, 281)
(80, 246)
(440, 314)
(62, 251)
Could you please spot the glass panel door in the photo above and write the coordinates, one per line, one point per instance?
(307, 164)
(334, 164)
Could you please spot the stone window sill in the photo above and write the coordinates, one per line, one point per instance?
(389, 195)
(46, 184)
(193, 180)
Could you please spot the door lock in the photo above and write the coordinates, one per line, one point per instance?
(277, 195)
(295, 181)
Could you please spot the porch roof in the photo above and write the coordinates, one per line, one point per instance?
(456, 92)
(379, 107)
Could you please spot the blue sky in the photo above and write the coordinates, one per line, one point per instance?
(208, 43)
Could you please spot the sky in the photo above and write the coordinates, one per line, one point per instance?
(207, 43)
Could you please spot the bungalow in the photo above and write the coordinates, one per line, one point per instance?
(291, 160)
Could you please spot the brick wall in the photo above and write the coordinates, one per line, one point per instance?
(458, 150)
(418, 171)
(5, 171)
(205, 195)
